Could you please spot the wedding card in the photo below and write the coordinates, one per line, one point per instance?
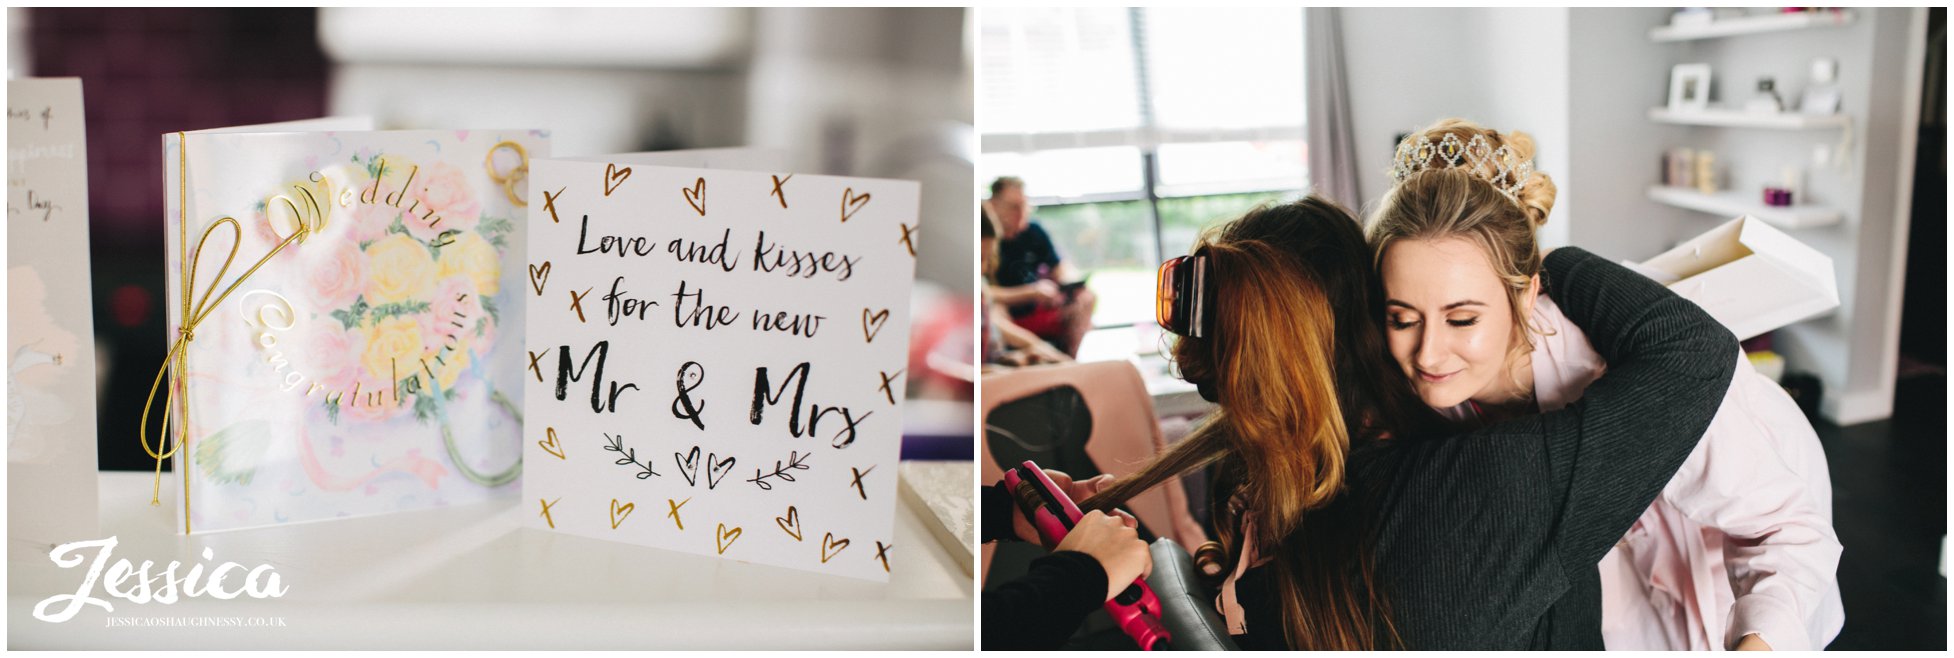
(50, 325)
(715, 357)
(346, 319)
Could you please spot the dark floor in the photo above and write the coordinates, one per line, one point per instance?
(1889, 497)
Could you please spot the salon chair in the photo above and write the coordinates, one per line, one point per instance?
(1186, 602)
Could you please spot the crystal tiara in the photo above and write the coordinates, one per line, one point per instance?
(1494, 165)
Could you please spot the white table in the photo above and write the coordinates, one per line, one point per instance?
(1140, 345)
(471, 577)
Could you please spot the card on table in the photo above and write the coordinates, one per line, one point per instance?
(50, 325)
(361, 351)
(716, 354)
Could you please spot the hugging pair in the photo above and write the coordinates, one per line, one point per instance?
(1439, 438)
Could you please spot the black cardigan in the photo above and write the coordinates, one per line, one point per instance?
(1490, 540)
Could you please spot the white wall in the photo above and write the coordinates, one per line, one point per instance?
(1503, 68)
(876, 92)
(1407, 68)
(869, 92)
(1582, 81)
(1525, 50)
(1614, 77)
(604, 80)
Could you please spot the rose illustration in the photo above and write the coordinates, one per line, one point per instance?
(443, 189)
(336, 275)
(393, 351)
(474, 257)
(455, 310)
(336, 355)
(399, 270)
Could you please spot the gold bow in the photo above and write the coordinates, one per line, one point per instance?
(308, 215)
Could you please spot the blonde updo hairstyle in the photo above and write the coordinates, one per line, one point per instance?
(1448, 202)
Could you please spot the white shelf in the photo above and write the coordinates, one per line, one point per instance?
(1742, 119)
(1759, 24)
(1731, 204)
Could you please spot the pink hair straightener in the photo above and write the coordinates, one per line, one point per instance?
(1136, 610)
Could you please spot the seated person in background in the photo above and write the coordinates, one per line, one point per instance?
(1030, 273)
(1006, 343)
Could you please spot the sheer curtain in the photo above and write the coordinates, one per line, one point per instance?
(1332, 151)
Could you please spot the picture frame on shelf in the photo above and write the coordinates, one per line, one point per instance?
(1689, 88)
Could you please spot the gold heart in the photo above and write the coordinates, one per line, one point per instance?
(848, 198)
(830, 542)
(696, 196)
(538, 276)
(613, 177)
(872, 323)
(790, 523)
(726, 537)
(618, 512)
(550, 445)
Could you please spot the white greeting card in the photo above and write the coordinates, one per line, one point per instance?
(50, 326)
(716, 357)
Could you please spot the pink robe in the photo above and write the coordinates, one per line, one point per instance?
(1739, 542)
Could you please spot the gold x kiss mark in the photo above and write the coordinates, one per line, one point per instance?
(777, 192)
(908, 232)
(546, 511)
(673, 515)
(887, 379)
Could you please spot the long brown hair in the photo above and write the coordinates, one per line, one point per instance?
(1298, 366)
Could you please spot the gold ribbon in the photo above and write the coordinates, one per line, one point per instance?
(176, 365)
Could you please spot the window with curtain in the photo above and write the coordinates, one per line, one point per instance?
(1135, 128)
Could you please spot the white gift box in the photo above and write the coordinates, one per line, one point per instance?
(1749, 275)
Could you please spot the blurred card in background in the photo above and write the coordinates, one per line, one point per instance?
(50, 327)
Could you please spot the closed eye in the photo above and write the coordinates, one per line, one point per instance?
(1463, 323)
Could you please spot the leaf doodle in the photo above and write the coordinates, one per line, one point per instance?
(781, 470)
(628, 456)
